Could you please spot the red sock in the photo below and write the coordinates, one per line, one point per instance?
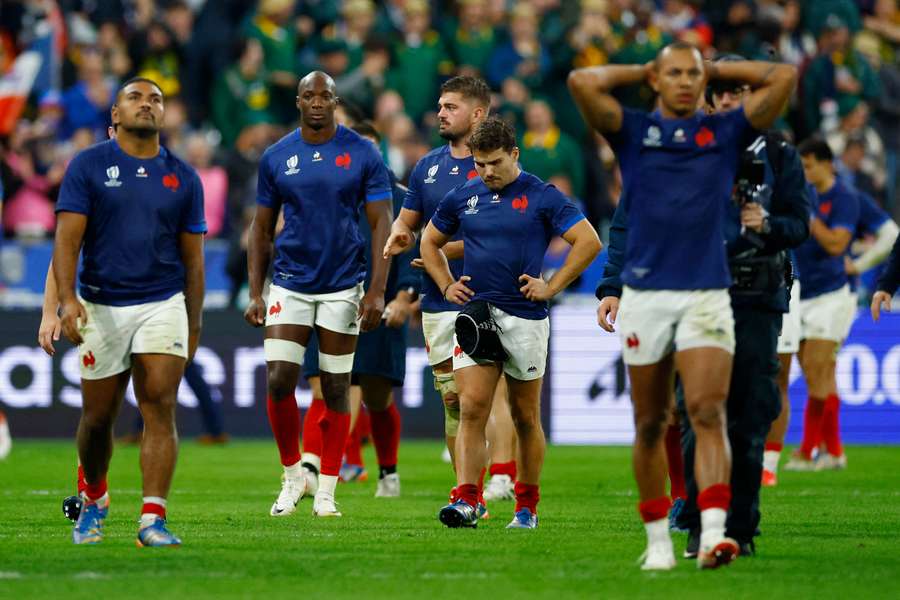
(654, 510)
(480, 484)
(507, 468)
(773, 447)
(95, 491)
(386, 435)
(676, 463)
(335, 427)
(467, 492)
(284, 417)
(353, 451)
(831, 430)
(527, 496)
(312, 433)
(82, 483)
(812, 425)
(715, 496)
(154, 509)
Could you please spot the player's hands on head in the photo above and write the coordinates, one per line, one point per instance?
(256, 312)
(397, 243)
(607, 312)
(417, 263)
(48, 332)
(458, 292)
(370, 310)
(74, 317)
(535, 288)
(880, 298)
(397, 312)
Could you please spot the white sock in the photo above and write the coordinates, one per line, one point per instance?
(712, 527)
(313, 459)
(657, 531)
(327, 484)
(294, 471)
(101, 502)
(148, 519)
(770, 460)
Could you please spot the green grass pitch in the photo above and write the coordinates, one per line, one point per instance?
(825, 535)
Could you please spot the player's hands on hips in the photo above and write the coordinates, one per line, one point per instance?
(397, 243)
(74, 316)
(880, 298)
(458, 292)
(48, 332)
(256, 312)
(606, 313)
(753, 216)
(396, 312)
(370, 310)
(535, 288)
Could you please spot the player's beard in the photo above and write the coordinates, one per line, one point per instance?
(452, 136)
(141, 128)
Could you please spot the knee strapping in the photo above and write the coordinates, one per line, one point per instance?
(451, 420)
(336, 363)
(445, 384)
(284, 350)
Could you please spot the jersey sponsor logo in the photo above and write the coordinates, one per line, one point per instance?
(141, 172)
(88, 360)
(275, 309)
(292, 163)
(825, 208)
(679, 136)
(495, 199)
(343, 160)
(632, 341)
(532, 369)
(454, 170)
(520, 203)
(317, 156)
(171, 181)
(472, 174)
(431, 173)
(704, 137)
(653, 137)
(112, 174)
(472, 203)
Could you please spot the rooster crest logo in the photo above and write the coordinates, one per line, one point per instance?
(275, 309)
(89, 360)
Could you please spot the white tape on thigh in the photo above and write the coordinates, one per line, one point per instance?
(284, 350)
(335, 363)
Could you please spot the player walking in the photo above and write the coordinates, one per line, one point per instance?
(506, 218)
(322, 174)
(138, 212)
(678, 165)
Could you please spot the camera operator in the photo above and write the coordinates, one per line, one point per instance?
(769, 215)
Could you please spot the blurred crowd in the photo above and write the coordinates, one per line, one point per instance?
(229, 69)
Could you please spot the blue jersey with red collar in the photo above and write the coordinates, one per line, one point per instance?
(323, 188)
(821, 272)
(434, 175)
(136, 208)
(506, 235)
(677, 178)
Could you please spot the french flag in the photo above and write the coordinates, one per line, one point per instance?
(15, 86)
(50, 42)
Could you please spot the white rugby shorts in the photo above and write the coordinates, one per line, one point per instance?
(828, 316)
(525, 341)
(335, 311)
(655, 323)
(439, 329)
(113, 333)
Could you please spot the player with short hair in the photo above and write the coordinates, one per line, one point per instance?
(678, 166)
(464, 102)
(827, 306)
(323, 175)
(138, 212)
(506, 218)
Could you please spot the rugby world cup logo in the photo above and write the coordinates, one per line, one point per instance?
(112, 174)
(292, 163)
(431, 173)
(472, 203)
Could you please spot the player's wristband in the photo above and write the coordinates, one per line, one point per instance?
(444, 294)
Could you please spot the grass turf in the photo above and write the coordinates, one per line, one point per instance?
(824, 534)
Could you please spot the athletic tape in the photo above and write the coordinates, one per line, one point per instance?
(445, 384)
(335, 363)
(285, 350)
